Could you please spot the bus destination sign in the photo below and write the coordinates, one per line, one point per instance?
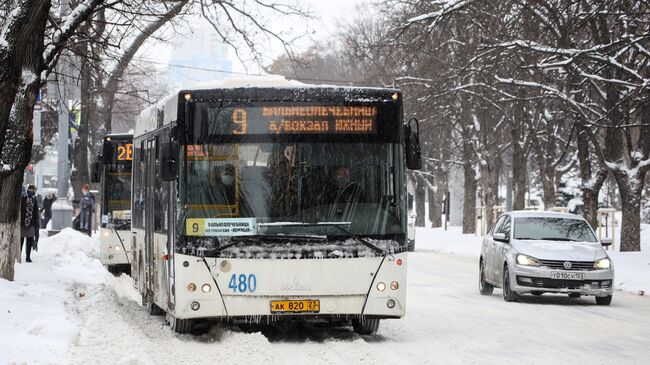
(294, 120)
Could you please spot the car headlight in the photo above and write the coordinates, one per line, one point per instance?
(526, 260)
(604, 263)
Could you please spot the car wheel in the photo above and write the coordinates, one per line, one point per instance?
(604, 300)
(537, 293)
(508, 294)
(484, 287)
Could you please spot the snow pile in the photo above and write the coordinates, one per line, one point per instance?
(37, 310)
(632, 269)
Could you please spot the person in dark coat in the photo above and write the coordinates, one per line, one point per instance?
(49, 199)
(29, 220)
(87, 205)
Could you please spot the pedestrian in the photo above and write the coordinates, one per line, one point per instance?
(49, 199)
(29, 222)
(39, 200)
(87, 205)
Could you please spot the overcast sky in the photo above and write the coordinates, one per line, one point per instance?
(329, 14)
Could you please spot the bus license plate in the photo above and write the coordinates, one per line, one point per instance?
(567, 275)
(295, 306)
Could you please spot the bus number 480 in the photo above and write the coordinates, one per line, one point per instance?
(242, 283)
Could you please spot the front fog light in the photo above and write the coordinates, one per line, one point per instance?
(195, 306)
(106, 233)
(394, 285)
(117, 248)
(381, 286)
(390, 303)
(206, 288)
(604, 263)
(191, 287)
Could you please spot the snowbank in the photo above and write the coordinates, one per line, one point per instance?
(632, 268)
(37, 310)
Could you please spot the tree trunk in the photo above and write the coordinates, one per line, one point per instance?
(519, 169)
(590, 188)
(21, 58)
(431, 200)
(9, 222)
(420, 193)
(630, 188)
(441, 190)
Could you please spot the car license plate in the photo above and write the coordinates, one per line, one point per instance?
(295, 306)
(567, 275)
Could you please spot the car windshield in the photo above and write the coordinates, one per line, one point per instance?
(553, 229)
(258, 188)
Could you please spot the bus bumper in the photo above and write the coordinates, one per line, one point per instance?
(231, 288)
(112, 251)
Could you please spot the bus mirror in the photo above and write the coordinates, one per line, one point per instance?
(412, 147)
(96, 172)
(169, 161)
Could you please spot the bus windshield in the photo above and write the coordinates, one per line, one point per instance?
(256, 188)
(117, 191)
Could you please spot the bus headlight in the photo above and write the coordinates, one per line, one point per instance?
(390, 303)
(394, 285)
(206, 288)
(603, 263)
(117, 248)
(191, 287)
(381, 286)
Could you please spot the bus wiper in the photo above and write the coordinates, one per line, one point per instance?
(270, 237)
(338, 225)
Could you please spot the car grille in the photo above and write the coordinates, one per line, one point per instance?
(561, 284)
(575, 265)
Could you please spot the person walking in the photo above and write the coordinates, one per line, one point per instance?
(49, 199)
(87, 206)
(29, 222)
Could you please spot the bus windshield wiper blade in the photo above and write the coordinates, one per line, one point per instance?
(270, 237)
(338, 225)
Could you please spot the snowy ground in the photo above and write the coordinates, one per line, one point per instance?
(66, 309)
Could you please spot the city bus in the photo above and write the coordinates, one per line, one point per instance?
(113, 172)
(271, 201)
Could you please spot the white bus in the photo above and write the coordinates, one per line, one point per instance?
(273, 202)
(113, 171)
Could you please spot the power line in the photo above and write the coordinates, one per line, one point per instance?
(232, 72)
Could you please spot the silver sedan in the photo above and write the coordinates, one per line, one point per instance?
(545, 252)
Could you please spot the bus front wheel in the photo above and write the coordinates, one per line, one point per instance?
(180, 325)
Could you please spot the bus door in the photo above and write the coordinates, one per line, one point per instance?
(149, 173)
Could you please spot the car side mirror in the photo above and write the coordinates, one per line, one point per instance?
(501, 237)
(96, 172)
(412, 145)
(606, 241)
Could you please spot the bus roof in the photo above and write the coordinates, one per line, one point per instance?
(120, 136)
(165, 111)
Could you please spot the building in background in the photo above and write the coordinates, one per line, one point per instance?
(199, 56)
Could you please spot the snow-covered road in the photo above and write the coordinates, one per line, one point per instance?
(447, 322)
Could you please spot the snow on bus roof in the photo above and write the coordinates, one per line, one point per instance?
(146, 120)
